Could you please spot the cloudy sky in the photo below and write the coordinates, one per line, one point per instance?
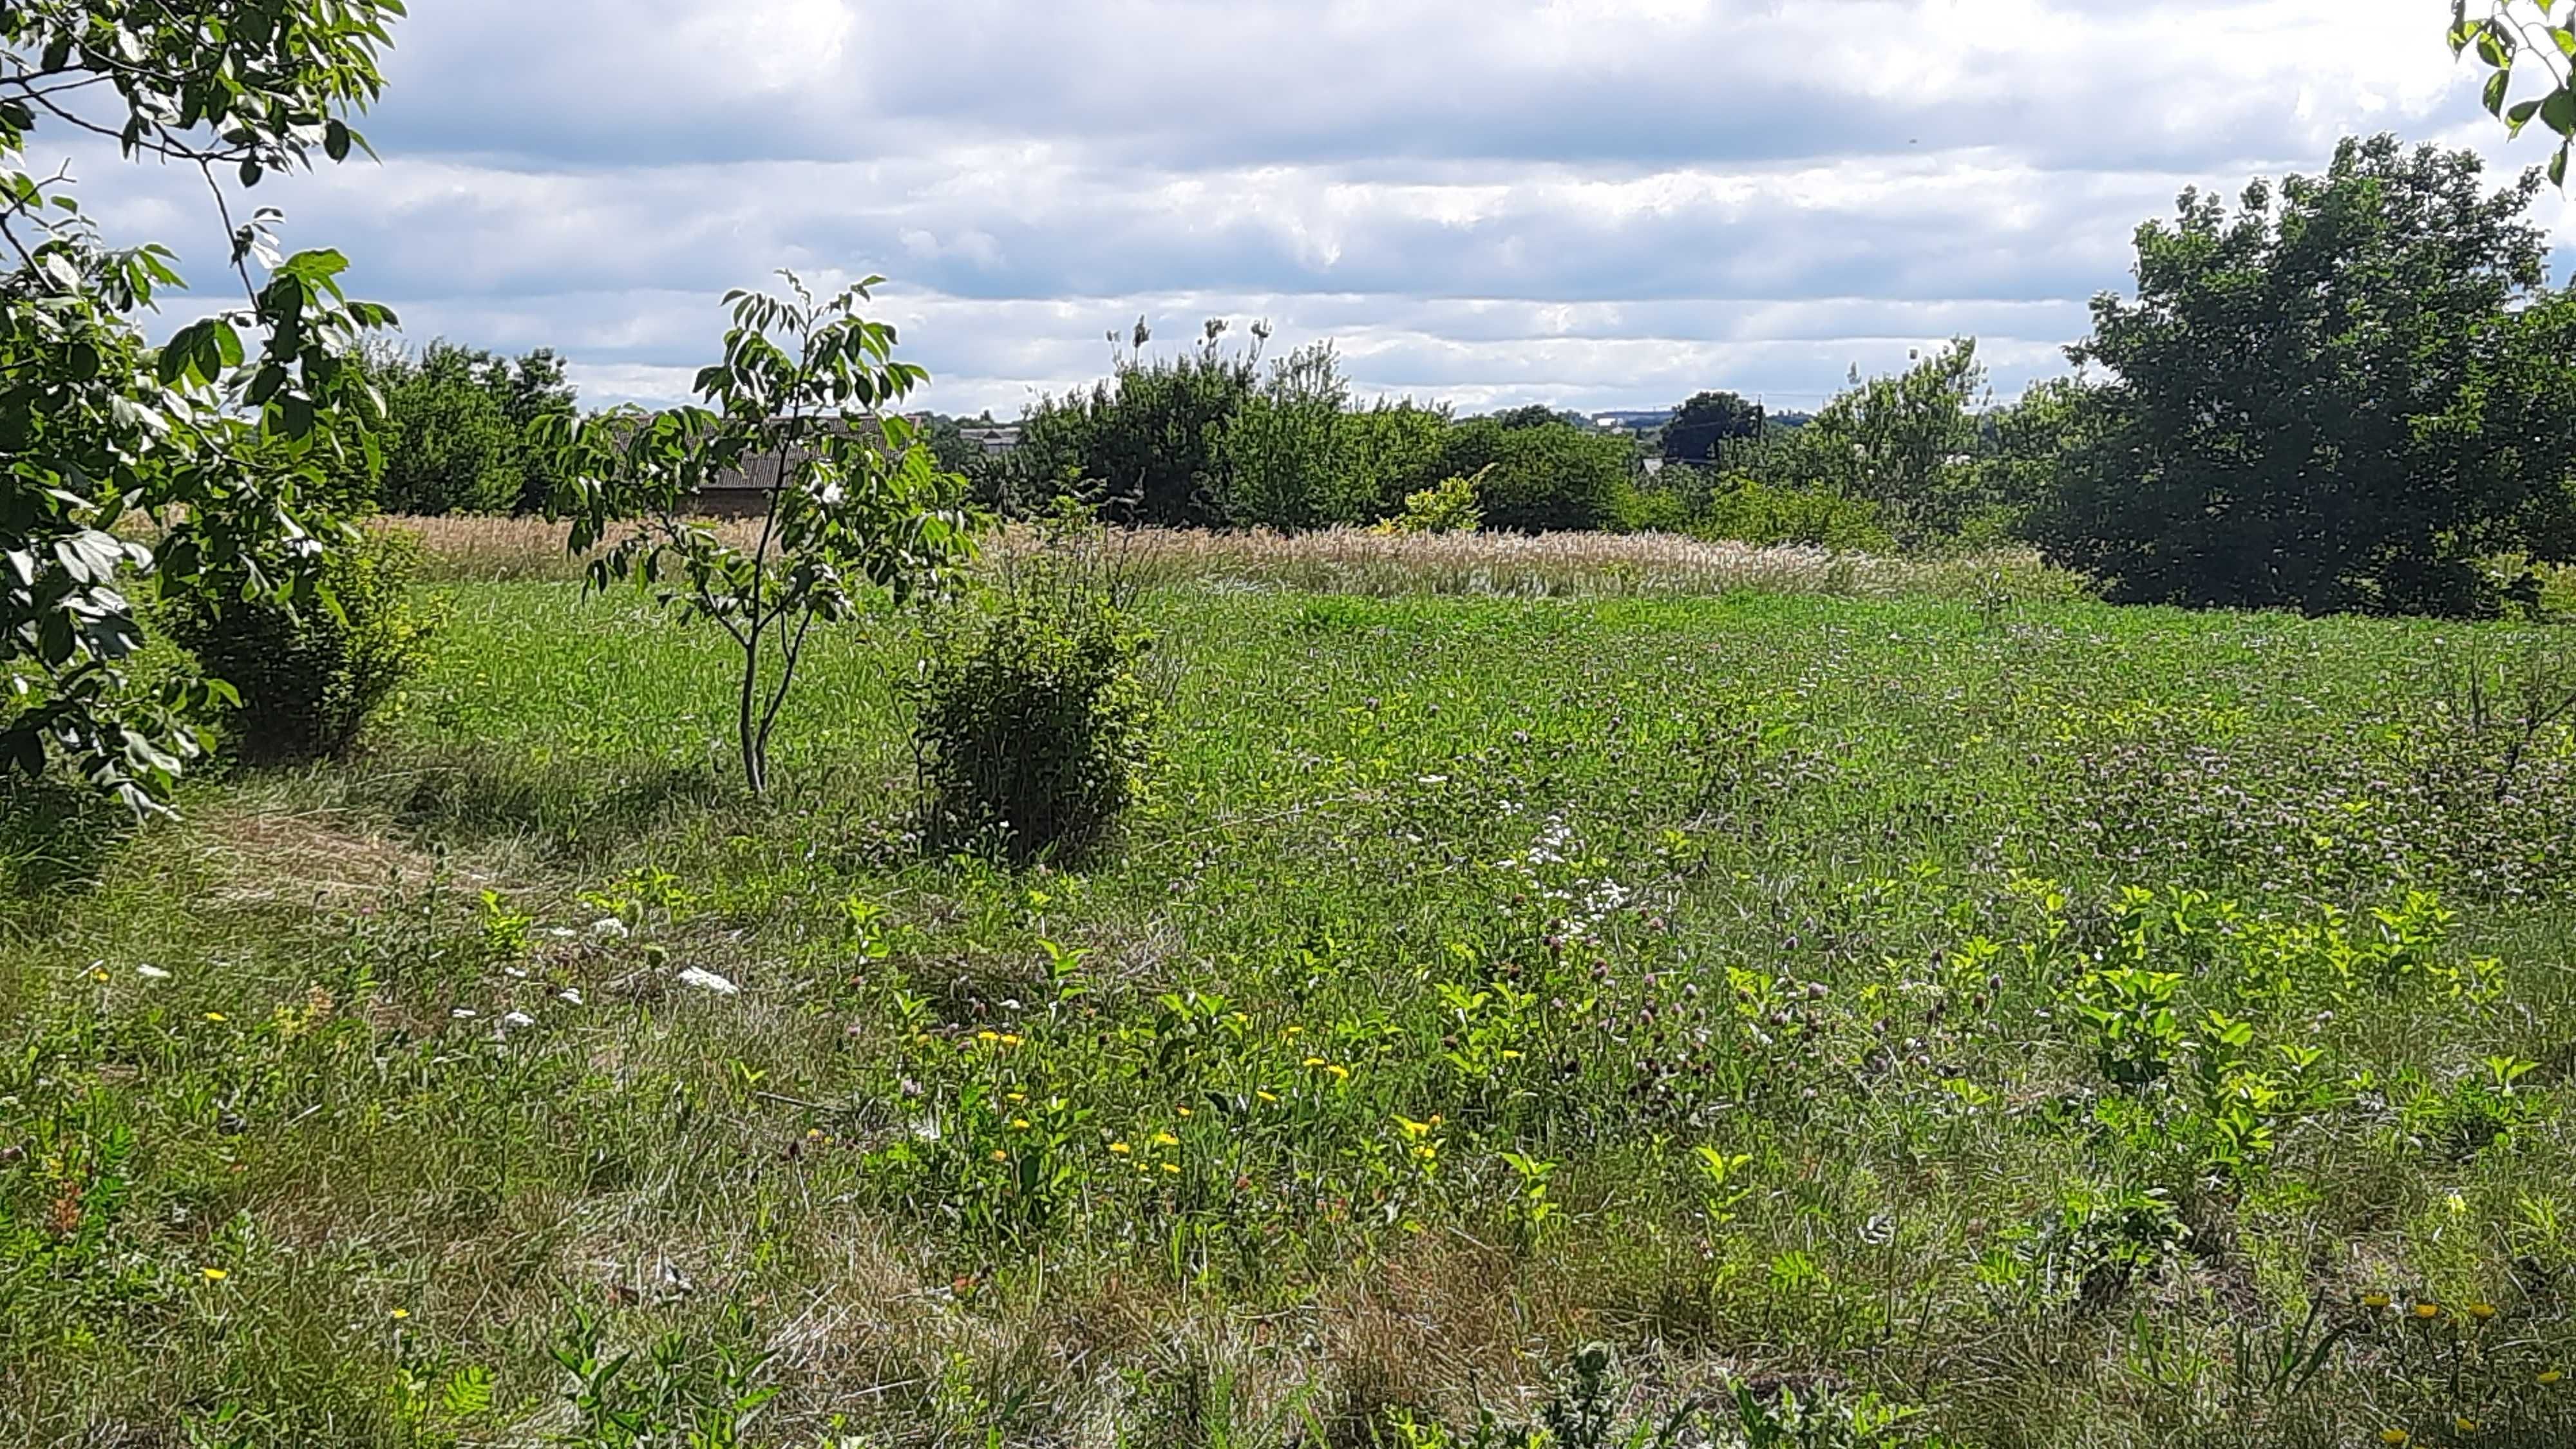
(1592, 203)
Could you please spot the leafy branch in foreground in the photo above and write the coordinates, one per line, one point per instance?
(217, 436)
(2537, 36)
(853, 503)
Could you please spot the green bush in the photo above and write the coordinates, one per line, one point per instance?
(1036, 720)
(1448, 506)
(1553, 476)
(309, 677)
(1757, 513)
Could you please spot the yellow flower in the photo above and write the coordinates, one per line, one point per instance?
(98, 973)
(1265, 1096)
(1316, 1062)
(2428, 1310)
(2482, 1311)
(1290, 1030)
(988, 1037)
(1020, 1122)
(1185, 1111)
(1121, 1148)
(1166, 1139)
(2464, 1423)
(1000, 1156)
(1009, 1039)
(2374, 1300)
(1340, 1073)
(1015, 1096)
(214, 1016)
(2549, 1376)
(400, 1314)
(214, 1275)
(1172, 1167)
(2392, 1436)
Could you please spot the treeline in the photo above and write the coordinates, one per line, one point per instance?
(2353, 391)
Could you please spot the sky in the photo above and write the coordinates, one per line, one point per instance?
(1594, 204)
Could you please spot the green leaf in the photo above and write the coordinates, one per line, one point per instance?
(2558, 111)
(335, 140)
(2558, 168)
(2496, 87)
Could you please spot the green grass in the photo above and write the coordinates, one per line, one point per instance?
(1366, 1080)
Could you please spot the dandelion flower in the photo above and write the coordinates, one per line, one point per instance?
(2464, 1423)
(2482, 1311)
(1172, 1167)
(2374, 1300)
(2428, 1310)
(1166, 1139)
(1011, 1040)
(98, 973)
(1340, 1073)
(1000, 1156)
(988, 1037)
(1290, 1030)
(1015, 1096)
(400, 1314)
(2392, 1436)
(1185, 1111)
(214, 1275)
(1317, 1062)
(1266, 1096)
(1121, 1148)
(1022, 1123)
(215, 1016)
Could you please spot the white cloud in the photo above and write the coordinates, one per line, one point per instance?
(1604, 202)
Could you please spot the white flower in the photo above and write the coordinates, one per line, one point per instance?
(609, 928)
(570, 996)
(515, 1020)
(463, 1013)
(706, 980)
(151, 973)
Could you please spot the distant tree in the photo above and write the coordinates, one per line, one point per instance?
(2342, 396)
(1905, 443)
(1538, 415)
(1700, 425)
(1556, 476)
(1148, 440)
(533, 389)
(449, 444)
(2537, 37)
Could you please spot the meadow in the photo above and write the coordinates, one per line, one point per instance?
(1775, 999)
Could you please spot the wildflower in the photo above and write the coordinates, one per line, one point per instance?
(2374, 1300)
(98, 973)
(1166, 1139)
(1000, 1156)
(2464, 1423)
(1022, 1123)
(1185, 1111)
(1317, 1062)
(1015, 1096)
(400, 1314)
(2482, 1311)
(2428, 1310)
(1121, 1148)
(214, 1275)
(1290, 1030)
(215, 1016)
(988, 1037)
(1172, 1167)
(1265, 1096)
(2549, 1376)
(2392, 1436)
(1010, 1040)
(1340, 1073)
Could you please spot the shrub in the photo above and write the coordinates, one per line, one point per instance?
(309, 678)
(1036, 720)
(1756, 513)
(1151, 438)
(1548, 477)
(1448, 506)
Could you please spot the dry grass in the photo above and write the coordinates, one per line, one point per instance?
(1360, 561)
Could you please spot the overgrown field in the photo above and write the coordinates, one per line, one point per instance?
(2081, 1026)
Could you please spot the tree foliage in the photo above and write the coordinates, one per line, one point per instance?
(802, 404)
(1708, 420)
(460, 432)
(222, 433)
(2529, 37)
(2342, 395)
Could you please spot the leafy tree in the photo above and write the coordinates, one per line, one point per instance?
(222, 433)
(2537, 37)
(1538, 415)
(1283, 459)
(1904, 443)
(2341, 396)
(449, 443)
(533, 389)
(1390, 451)
(801, 402)
(1150, 438)
(1708, 420)
(1537, 478)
